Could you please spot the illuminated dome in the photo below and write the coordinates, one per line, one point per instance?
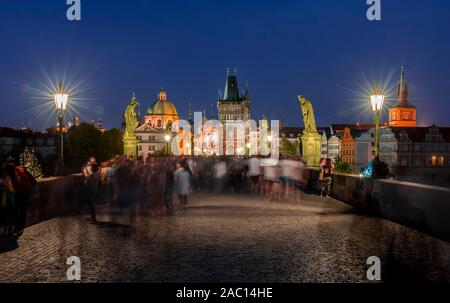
(162, 106)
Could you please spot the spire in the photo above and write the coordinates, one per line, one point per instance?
(190, 112)
(246, 92)
(231, 92)
(211, 114)
(402, 89)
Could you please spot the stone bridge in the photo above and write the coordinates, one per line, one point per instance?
(236, 238)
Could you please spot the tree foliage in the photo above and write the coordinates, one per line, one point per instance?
(29, 162)
(341, 167)
(288, 148)
(87, 141)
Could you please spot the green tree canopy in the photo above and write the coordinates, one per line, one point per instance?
(111, 144)
(84, 142)
(342, 167)
(288, 148)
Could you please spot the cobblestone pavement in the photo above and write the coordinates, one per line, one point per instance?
(227, 239)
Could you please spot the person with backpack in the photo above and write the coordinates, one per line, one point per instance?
(326, 175)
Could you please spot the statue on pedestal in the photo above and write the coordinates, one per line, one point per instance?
(308, 115)
(131, 123)
(310, 139)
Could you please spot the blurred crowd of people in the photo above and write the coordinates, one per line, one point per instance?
(16, 187)
(129, 184)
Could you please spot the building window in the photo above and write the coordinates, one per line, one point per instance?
(433, 161)
(417, 161)
(159, 123)
(404, 161)
(406, 115)
(441, 161)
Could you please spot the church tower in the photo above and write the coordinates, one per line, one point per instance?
(233, 106)
(403, 114)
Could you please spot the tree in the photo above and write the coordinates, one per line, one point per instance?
(84, 141)
(288, 148)
(341, 167)
(380, 169)
(30, 163)
(111, 144)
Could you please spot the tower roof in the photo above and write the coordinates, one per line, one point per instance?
(402, 91)
(231, 92)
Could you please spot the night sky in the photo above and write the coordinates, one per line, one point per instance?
(324, 49)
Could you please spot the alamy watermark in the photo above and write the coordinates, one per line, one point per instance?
(73, 273)
(374, 271)
(74, 10)
(374, 11)
(232, 137)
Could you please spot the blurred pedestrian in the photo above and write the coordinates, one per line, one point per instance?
(91, 176)
(182, 181)
(169, 185)
(326, 173)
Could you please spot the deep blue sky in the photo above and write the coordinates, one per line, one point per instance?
(320, 48)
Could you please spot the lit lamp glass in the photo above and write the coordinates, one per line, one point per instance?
(167, 138)
(377, 99)
(61, 98)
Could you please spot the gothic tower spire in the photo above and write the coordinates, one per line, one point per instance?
(402, 89)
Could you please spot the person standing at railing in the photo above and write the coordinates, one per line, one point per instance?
(90, 173)
(326, 174)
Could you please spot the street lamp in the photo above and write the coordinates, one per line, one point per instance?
(167, 139)
(377, 101)
(61, 98)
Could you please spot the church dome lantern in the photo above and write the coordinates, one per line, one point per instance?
(161, 112)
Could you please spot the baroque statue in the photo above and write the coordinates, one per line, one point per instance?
(308, 115)
(310, 138)
(131, 123)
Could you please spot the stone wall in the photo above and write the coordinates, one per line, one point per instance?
(421, 206)
(54, 197)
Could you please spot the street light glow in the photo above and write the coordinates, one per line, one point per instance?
(377, 99)
(61, 98)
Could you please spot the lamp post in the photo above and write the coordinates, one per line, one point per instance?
(377, 101)
(61, 98)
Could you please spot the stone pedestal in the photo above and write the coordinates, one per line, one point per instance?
(130, 147)
(311, 148)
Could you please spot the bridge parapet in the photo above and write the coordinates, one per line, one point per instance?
(55, 197)
(422, 206)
